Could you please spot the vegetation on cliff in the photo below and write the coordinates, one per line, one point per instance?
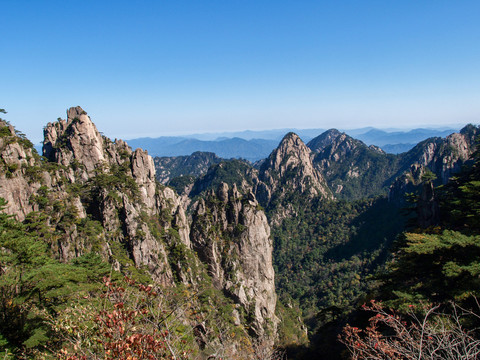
(99, 260)
(94, 211)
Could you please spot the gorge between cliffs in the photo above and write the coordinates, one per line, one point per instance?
(106, 255)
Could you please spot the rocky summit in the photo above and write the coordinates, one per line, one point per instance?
(117, 209)
(289, 167)
(108, 253)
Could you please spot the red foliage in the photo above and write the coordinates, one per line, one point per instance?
(126, 329)
(430, 336)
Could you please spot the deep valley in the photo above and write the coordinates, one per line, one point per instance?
(108, 253)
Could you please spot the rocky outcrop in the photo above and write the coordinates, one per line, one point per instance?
(16, 155)
(427, 206)
(289, 168)
(406, 183)
(339, 149)
(98, 195)
(352, 169)
(232, 236)
(443, 157)
(90, 177)
(143, 171)
(76, 138)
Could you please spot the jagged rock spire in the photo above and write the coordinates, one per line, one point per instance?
(79, 135)
(290, 166)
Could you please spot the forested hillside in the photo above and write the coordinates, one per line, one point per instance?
(429, 291)
(195, 164)
(98, 260)
(230, 260)
(327, 251)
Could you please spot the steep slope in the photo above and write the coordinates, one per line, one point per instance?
(116, 187)
(324, 248)
(352, 169)
(289, 169)
(232, 236)
(17, 183)
(91, 195)
(443, 157)
(195, 165)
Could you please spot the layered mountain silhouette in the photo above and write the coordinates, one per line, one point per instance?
(259, 249)
(351, 169)
(256, 145)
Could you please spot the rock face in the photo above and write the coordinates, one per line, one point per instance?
(75, 138)
(290, 167)
(427, 207)
(443, 157)
(99, 195)
(406, 183)
(232, 236)
(97, 180)
(15, 187)
(352, 169)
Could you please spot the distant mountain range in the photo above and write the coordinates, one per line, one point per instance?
(412, 137)
(256, 145)
(261, 251)
(251, 150)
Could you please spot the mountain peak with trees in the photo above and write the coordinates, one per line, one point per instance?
(92, 199)
(101, 260)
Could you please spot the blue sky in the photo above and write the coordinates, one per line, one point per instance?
(152, 68)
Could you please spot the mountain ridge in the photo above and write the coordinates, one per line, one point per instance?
(260, 143)
(241, 236)
(89, 194)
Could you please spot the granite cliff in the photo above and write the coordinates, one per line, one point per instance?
(290, 166)
(444, 157)
(232, 236)
(97, 195)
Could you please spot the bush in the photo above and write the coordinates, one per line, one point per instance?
(425, 334)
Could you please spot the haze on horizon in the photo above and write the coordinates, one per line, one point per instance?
(183, 67)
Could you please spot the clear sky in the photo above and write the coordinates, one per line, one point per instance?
(152, 68)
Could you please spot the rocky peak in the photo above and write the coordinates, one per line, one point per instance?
(76, 138)
(7, 129)
(16, 155)
(342, 146)
(349, 166)
(323, 140)
(290, 152)
(444, 157)
(232, 236)
(97, 195)
(470, 132)
(98, 180)
(290, 167)
(143, 171)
